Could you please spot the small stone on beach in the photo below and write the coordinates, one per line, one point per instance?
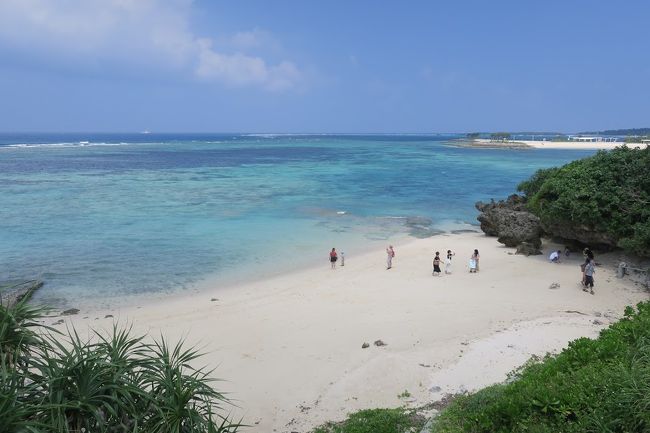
(214, 299)
(108, 316)
(365, 345)
(58, 322)
(379, 343)
(70, 312)
(554, 286)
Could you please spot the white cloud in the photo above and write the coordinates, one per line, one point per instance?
(255, 38)
(136, 33)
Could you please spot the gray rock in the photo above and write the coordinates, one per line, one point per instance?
(365, 345)
(12, 292)
(70, 312)
(379, 343)
(510, 222)
(528, 249)
(108, 316)
(554, 286)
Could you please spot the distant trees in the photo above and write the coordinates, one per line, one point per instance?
(500, 136)
(473, 135)
(636, 138)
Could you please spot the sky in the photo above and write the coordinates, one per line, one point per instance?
(331, 66)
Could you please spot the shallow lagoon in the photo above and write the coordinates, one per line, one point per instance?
(106, 215)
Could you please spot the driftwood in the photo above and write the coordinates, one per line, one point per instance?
(12, 293)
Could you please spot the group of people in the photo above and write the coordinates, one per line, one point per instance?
(437, 260)
(588, 268)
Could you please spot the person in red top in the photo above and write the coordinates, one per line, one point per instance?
(333, 258)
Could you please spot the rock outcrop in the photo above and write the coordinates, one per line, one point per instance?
(581, 234)
(511, 223)
(13, 292)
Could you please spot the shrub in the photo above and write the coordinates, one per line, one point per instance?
(115, 382)
(600, 385)
(397, 420)
(608, 193)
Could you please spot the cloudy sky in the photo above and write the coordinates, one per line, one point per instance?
(323, 66)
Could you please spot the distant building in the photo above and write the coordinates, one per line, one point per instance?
(594, 139)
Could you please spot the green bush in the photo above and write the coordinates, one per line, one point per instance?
(600, 385)
(115, 382)
(608, 193)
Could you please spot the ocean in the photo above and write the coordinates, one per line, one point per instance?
(100, 217)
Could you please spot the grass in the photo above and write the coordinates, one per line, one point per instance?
(113, 382)
(399, 420)
(600, 385)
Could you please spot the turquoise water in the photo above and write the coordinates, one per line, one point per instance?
(105, 216)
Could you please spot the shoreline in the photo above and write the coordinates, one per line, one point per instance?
(289, 346)
(540, 144)
(218, 283)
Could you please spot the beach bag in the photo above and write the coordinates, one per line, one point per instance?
(472, 263)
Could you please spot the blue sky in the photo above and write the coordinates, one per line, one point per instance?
(323, 66)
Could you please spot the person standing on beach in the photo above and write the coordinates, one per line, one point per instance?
(588, 255)
(448, 262)
(590, 269)
(333, 258)
(436, 264)
(475, 257)
(390, 253)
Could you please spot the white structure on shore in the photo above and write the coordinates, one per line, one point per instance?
(594, 139)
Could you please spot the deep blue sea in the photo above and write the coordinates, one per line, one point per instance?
(109, 215)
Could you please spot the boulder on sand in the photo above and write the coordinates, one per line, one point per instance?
(510, 222)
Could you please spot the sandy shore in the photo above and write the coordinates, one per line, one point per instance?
(538, 144)
(290, 350)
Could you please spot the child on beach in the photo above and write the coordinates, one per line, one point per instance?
(473, 262)
(390, 253)
(436, 264)
(333, 258)
(448, 262)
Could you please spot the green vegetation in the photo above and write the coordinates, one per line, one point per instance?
(608, 193)
(636, 138)
(502, 136)
(473, 135)
(398, 420)
(50, 382)
(600, 385)
(629, 131)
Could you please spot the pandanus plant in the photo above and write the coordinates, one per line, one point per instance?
(111, 382)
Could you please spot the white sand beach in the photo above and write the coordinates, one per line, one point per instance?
(290, 347)
(539, 144)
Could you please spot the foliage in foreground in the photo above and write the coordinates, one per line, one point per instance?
(398, 420)
(113, 383)
(600, 385)
(608, 193)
